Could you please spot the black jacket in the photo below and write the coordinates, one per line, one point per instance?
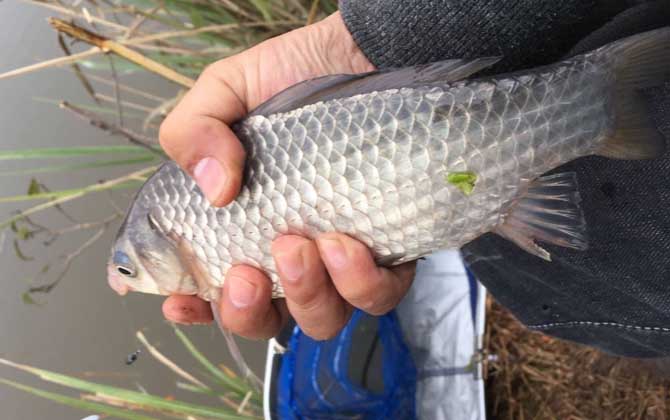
(616, 295)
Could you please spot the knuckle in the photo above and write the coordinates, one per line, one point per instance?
(202, 127)
(246, 328)
(167, 131)
(321, 334)
(310, 295)
(310, 299)
(255, 327)
(326, 330)
(253, 333)
(212, 70)
(375, 302)
(251, 274)
(362, 290)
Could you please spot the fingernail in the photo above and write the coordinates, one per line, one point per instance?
(210, 177)
(334, 253)
(241, 292)
(291, 264)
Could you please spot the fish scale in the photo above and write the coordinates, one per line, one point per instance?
(372, 158)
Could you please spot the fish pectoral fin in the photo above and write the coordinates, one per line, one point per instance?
(549, 211)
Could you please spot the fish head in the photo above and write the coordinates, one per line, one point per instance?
(147, 258)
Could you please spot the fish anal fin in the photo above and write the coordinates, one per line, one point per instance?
(549, 212)
(344, 85)
(523, 241)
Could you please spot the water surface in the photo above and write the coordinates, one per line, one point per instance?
(81, 326)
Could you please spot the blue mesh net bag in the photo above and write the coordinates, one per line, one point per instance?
(315, 380)
(421, 361)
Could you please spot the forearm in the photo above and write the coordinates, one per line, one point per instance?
(394, 33)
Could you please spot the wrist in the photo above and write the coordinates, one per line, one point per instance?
(339, 45)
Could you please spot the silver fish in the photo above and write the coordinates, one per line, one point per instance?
(407, 161)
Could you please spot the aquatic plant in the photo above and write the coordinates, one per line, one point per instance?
(104, 44)
(231, 397)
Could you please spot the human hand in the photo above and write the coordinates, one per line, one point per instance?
(323, 279)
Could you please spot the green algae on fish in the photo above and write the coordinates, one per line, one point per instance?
(464, 181)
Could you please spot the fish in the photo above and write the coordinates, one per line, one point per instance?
(408, 161)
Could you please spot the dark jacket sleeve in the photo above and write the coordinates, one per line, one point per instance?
(395, 33)
(615, 295)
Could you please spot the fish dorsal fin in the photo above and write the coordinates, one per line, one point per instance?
(344, 85)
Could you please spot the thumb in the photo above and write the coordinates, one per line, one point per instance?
(197, 134)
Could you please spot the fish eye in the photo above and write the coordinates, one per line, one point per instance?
(124, 265)
(125, 271)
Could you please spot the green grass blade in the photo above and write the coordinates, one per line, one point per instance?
(263, 7)
(181, 60)
(69, 152)
(121, 66)
(93, 108)
(202, 13)
(80, 404)
(234, 384)
(138, 175)
(196, 389)
(80, 166)
(50, 195)
(329, 6)
(196, 18)
(148, 401)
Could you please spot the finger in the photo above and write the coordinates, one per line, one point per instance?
(187, 310)
(196, 134)
(246, 306)
(359, 281)
(310, 295)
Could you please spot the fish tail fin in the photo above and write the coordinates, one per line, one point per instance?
(641, 61)
(549, 212)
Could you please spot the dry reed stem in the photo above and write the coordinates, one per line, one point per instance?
(129, 89)
(245, 401)
(161, 110)
(68, 12)
(100, 123)
(237, 9)
(131, 105)
(67, 262)
(60, 61)
(77, 70)
(207, 29)
(311, 18)
(167, 362)
(117, 92)
(139, 20)
(108, 45)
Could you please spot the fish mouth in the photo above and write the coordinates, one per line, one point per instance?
(116, 282)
